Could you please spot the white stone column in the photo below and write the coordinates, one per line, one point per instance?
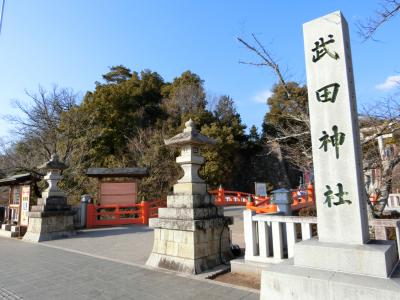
(339, 184)
(250, 234)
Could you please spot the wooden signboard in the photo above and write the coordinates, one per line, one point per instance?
(25, 192)
(118, 193)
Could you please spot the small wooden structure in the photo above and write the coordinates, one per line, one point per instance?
(19, 201)
(117, 198)
(117, 186)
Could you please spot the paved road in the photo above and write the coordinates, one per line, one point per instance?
(113, 269)
(131, 244)
(31, 271)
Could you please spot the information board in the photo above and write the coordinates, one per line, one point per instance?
(26, 192)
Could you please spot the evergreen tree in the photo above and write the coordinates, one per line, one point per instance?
(287, 126)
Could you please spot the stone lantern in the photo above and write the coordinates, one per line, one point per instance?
(190, 141)
(52, 217)
(191, 234)
(53, 176)
(283, 199)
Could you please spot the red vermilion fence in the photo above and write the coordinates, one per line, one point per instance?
(114, 215)
(234, 198)
(262, 204)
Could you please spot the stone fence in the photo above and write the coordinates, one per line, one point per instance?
(380, 228)
(393, 202)
(270, 238)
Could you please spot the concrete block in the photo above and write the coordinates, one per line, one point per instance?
(188, 237)
(177, 236)
(188, 201)
(172, 249)
(377, 258)
(188, 213)
(6, 227)
(191, 188)
(186, 251)
(15, 228)
(8, 234)
(53, 226)
(288, 282)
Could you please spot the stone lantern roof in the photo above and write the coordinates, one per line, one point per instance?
(190, 136)
(53, 164)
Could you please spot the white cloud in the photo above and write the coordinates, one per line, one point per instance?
(261, 97)
(390, 83)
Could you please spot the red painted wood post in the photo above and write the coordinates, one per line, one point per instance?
(221, 196)
(145, 208)
(310, 192)
(249, 202)
(90, 210)
(116, 213)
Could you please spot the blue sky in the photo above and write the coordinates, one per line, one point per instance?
(71, 43)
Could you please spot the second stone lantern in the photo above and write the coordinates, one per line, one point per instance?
(52, 217)
(191, 234)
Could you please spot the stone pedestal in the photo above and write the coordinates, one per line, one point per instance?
(376, 258)
(50, 221)
(190, 239)
(52, 217)
(286, 282)
(191, 234)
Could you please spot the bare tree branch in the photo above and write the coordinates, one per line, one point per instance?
(388, 9)
(267, 59)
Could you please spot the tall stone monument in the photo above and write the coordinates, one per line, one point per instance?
(343, 263)
(191, 234)
(52, 217)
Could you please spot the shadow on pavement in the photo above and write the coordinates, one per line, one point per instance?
(111, 231)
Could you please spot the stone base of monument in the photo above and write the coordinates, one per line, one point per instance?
(335, 271)
(376, 258)
(190, 239)
(51, 219)
(288, 282)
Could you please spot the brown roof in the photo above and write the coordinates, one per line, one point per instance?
(117, 172)
(19, 178)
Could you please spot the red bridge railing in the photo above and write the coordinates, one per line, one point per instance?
(262, 204)
(114, 215)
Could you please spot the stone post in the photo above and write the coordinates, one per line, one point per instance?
(191, 234)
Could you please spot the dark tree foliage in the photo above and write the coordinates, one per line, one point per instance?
(121, 107)
(123, 122)
(287, 124)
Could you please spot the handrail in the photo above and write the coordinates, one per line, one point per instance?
(271, 237)
(113, 214)
(262, 204)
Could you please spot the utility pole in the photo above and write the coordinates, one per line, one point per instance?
(2, 15)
